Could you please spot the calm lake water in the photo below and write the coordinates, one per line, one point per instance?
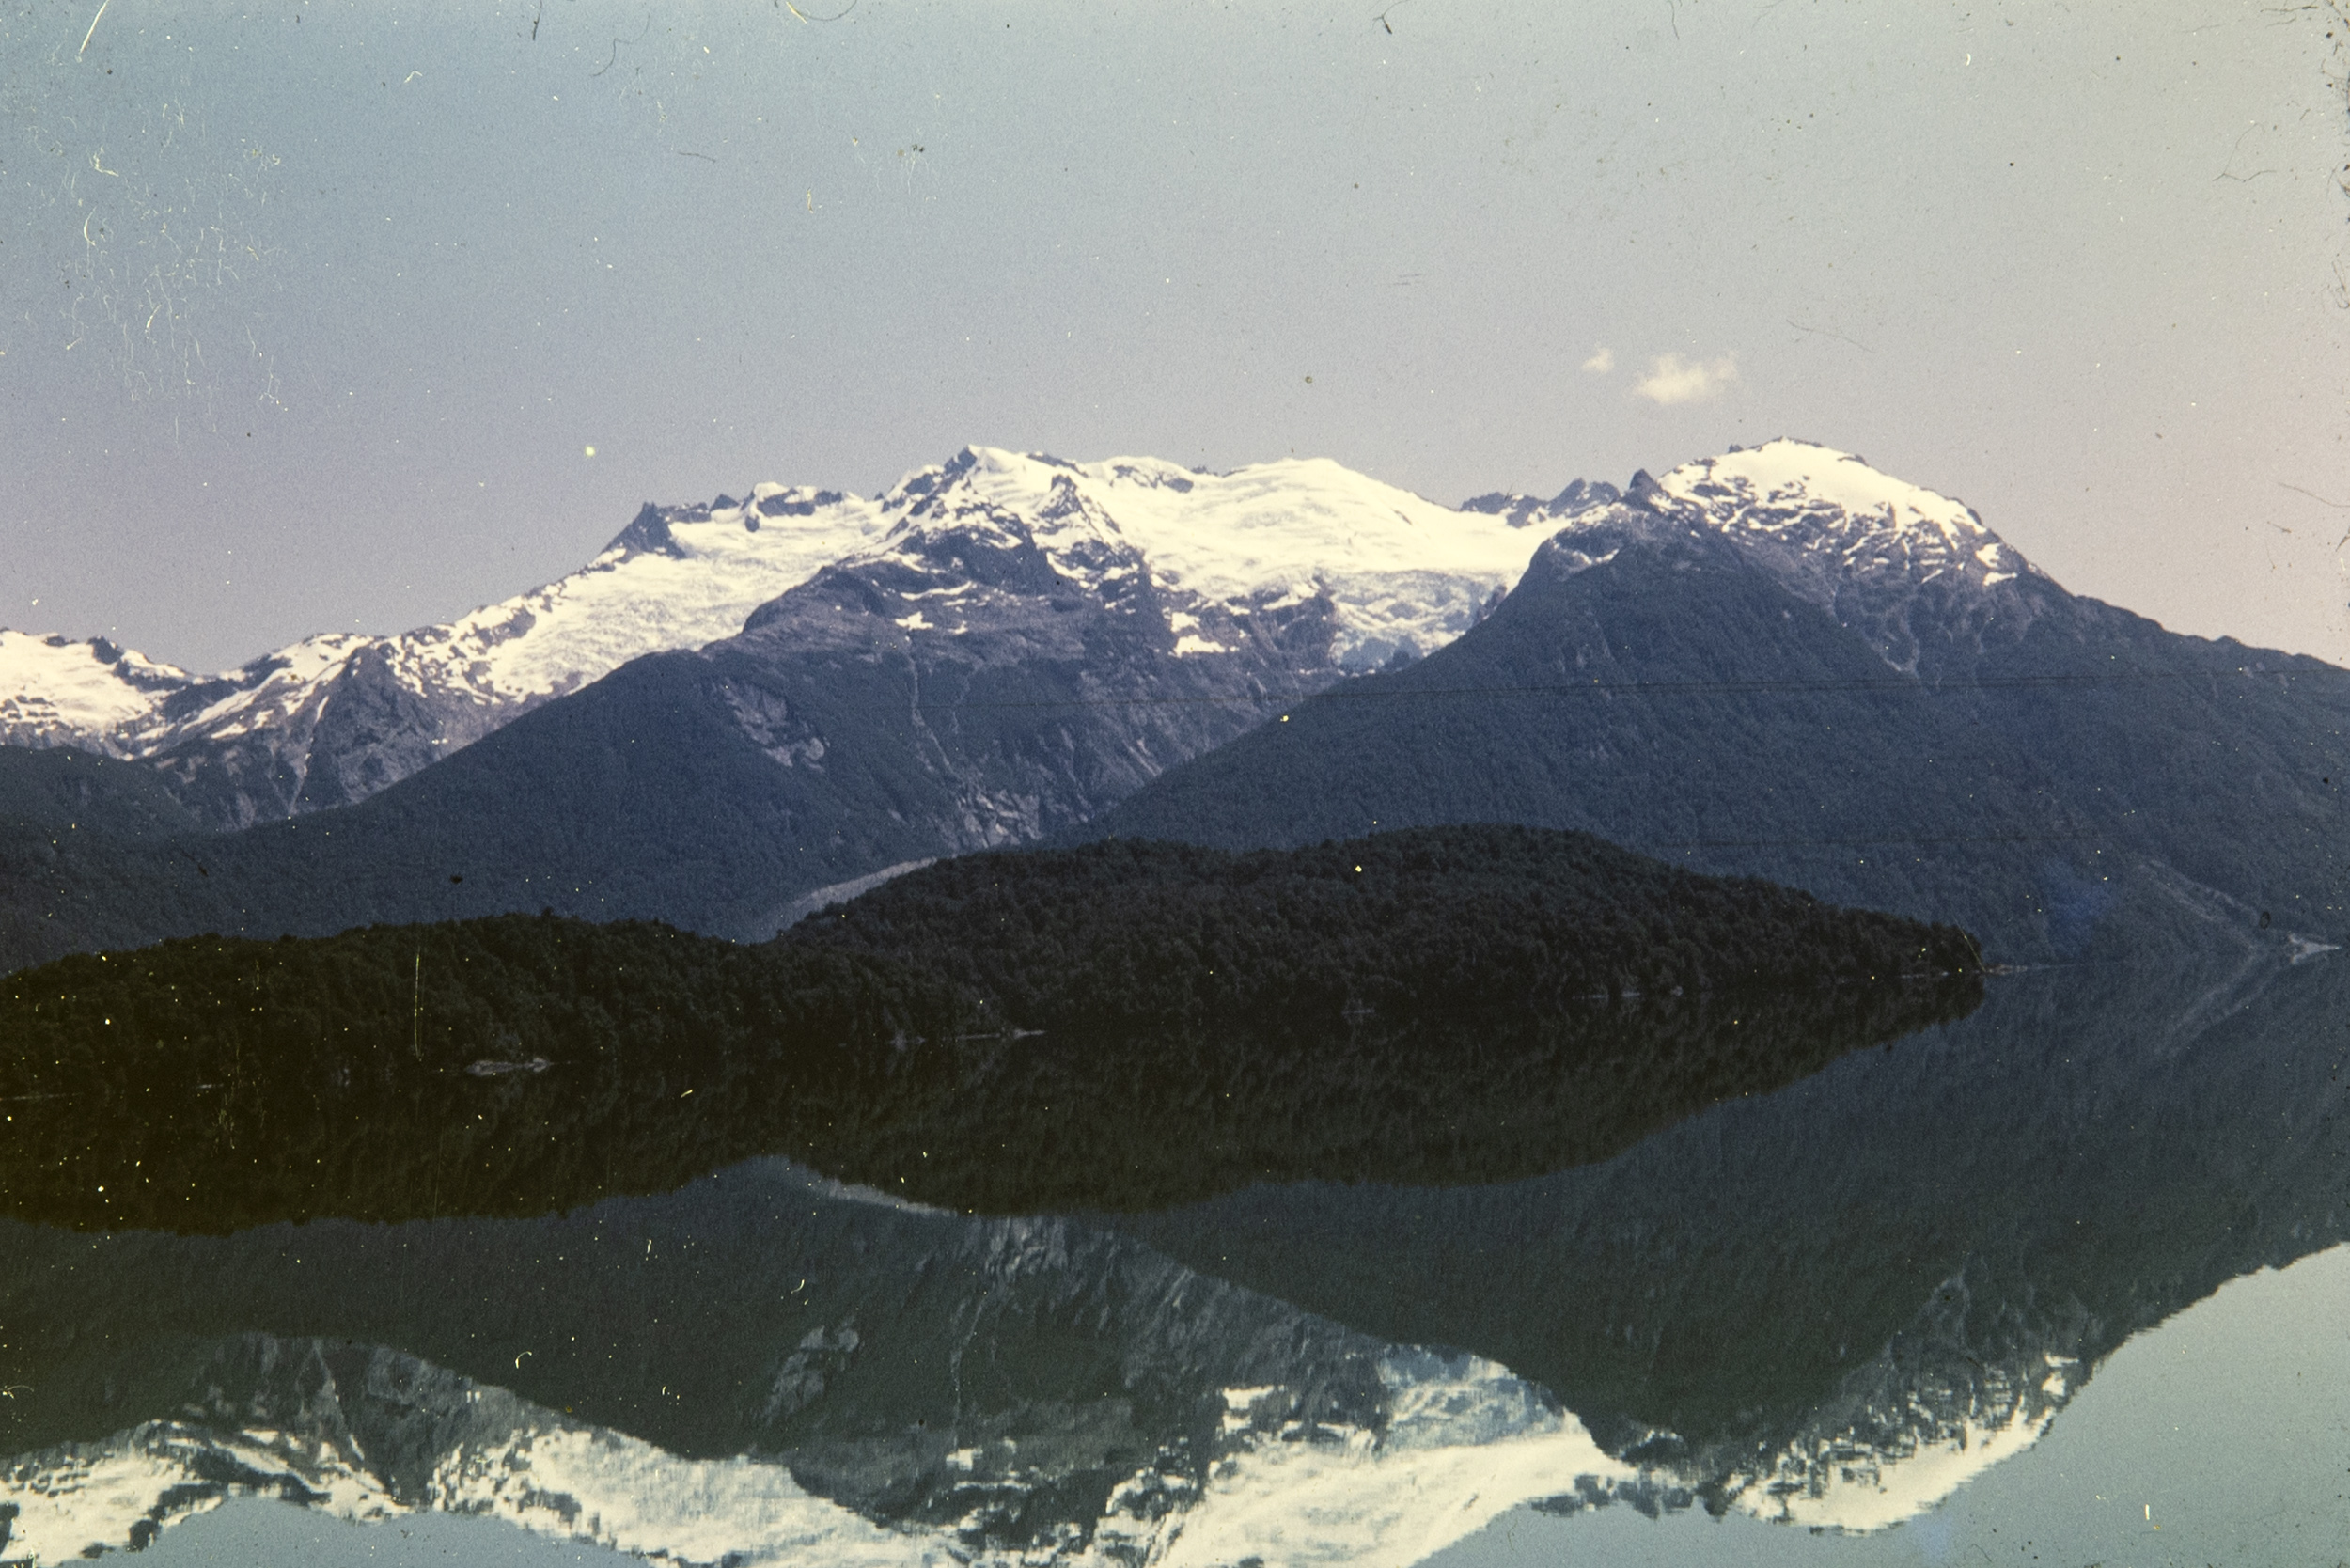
(2061, 1281)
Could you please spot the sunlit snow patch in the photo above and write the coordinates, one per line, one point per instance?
(618, 1491)
(1465, 1441)
(1897, 1464)
(84, 1500)
(56, 691)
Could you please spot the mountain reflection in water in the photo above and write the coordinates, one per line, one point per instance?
(1915, 1249)
(2214, 1437)
(1792, 1305)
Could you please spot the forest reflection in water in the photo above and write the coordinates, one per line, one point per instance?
(1773, 1307)
(224, 1133)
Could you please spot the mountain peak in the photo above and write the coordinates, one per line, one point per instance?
(1859, 544)
(1787, 470)
(1816, 499)
(1645, 492)
(649, 530)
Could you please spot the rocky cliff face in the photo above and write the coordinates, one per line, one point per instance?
(1017, 669)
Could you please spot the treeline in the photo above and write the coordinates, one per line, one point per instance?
(1121, 1026)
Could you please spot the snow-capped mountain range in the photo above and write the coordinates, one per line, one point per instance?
(740, 707)
(334, 718)
(1875, 552)
(1833, 520)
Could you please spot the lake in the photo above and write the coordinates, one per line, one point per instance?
(2062, 1279)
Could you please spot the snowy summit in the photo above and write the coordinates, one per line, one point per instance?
(1834, 508)
(1885, 558)
(1403, 574)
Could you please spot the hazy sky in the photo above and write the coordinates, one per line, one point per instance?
(309, 315)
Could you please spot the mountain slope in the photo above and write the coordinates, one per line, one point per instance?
(91, 856)
(332, 719)
(1783, 664)
(43, 792)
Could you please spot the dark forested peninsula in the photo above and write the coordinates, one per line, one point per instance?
(1121, 1025)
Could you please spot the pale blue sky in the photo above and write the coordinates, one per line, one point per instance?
(308, 315)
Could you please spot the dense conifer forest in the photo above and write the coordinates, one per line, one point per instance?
(1486, 921)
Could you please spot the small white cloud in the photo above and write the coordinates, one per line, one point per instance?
(1602, 361)
(1672, 380)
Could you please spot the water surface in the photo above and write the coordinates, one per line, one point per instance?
(1867, 1313)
